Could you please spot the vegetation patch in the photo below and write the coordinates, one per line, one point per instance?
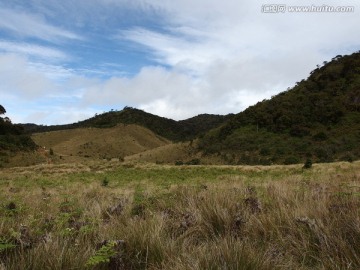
(181, 217)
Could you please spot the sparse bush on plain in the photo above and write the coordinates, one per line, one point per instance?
(105, 182)
(194, 161)
(179, 163)
(307, 164)
(291, 160)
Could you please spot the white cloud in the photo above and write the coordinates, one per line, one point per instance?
(150, 84)
(18, 79)
(27, 80)
(33, 50)
(58, 115)
(174, 50)
(238, 31)
(30, 25)
(47, 113)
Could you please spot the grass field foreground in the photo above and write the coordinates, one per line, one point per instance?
(111, 216)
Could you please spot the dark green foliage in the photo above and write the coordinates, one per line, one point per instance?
(265, 151)
(348, 158)
(105, 182)
(2, 110)
(321, 136)
(291, 160)
(179, 163)
(12, 137)
(194, 161)
(138, 209)
(103, 255)
(308, 164)
(5, 245)
(317, 118)
(199, 125)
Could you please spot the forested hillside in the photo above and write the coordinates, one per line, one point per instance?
(319, 118)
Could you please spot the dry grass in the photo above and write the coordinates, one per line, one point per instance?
(167, 154)
(95, 143)
(279, 217)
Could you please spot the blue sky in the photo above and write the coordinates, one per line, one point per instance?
(64, 61)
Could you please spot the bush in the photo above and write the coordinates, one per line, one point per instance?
(105, 182)
(308, 164)
(194, 161)
(179, 163)
(348, 158)
(291, 160)
(265, 151)
(321, 136)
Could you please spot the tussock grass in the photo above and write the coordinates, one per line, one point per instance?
(280, 217)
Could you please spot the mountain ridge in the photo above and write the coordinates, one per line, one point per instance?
(168, 128)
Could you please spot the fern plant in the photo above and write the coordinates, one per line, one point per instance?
(103, 255)
(5, 246)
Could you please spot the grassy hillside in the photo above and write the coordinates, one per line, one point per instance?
(174, 153)
(166, 217)
(96, 143)
(167, 128)
(319, 118)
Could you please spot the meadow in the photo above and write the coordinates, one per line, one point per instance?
(112, 215)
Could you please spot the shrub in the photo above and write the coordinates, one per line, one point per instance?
(194, 161)
(321, 136)
(348, 158)
(105, 182)
(179, 163)
(5, 245)
(308, 164)
(265, 151)
(291, 160)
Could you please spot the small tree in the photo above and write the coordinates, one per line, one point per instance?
(308, 164)
(2, 110)
(105, 182)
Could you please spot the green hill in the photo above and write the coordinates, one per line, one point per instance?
(167, 128)
(319, 118)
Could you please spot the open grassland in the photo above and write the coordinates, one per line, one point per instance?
(112, 216)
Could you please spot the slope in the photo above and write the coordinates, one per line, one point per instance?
(319, 118)
(106, 143)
